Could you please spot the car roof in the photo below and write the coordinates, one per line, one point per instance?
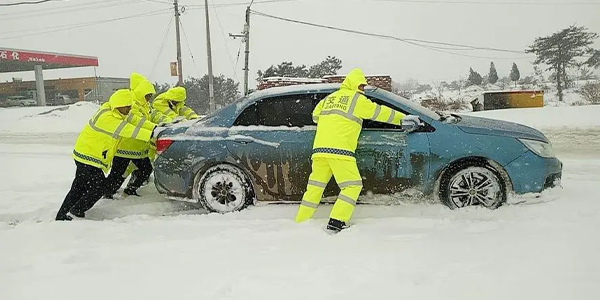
(295, 89)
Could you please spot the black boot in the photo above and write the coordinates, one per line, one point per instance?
(131, 192)
(63, 218)
(336, 225)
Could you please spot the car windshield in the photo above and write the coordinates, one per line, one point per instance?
(405, 102)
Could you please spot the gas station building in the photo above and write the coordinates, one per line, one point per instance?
(82, 89)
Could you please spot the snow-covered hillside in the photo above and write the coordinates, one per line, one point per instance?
(149, 248)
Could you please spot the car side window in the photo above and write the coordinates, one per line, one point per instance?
(373, 125)
(289, 111)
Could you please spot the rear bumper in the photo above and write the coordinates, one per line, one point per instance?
(531, 173)
(170, 178)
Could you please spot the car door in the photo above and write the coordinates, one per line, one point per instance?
(391, 160)
(273, 139)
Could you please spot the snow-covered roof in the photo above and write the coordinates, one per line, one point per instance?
(291, 79)
(512, 91)
(366, 75)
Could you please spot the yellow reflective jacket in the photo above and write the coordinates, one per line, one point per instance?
(139, 116)
(172, 105)
(340, 115)
(99, 139)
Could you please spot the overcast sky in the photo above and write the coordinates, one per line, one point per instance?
(133, 44)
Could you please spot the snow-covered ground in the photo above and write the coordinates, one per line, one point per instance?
(150, 248)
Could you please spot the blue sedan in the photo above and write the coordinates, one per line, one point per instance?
(258, 150)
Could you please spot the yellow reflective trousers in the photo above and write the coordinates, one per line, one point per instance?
(348, 179)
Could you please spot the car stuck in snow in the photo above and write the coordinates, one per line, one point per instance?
(258, 149)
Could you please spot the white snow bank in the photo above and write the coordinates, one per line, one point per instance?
(547, 117)
(46, 119)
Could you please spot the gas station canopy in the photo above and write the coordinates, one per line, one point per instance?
(16, 60)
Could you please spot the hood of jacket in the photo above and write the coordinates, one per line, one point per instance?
(177, 94)
(140, 87)
(353, 80)
(121, 98)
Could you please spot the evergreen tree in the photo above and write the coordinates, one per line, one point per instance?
(474, 78)
(493, 75)
(515, 75)
(560, 51)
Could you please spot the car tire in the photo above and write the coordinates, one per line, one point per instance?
(472, 183)
(223, 189)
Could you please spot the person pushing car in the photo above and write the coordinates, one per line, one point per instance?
(339, 119)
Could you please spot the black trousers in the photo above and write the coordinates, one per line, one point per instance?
(119, 166)
(86, 190)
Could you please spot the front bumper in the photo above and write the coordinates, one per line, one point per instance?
(531, 173)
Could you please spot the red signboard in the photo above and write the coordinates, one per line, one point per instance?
(13, 55)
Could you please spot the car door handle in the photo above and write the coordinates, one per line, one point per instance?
(243, 139)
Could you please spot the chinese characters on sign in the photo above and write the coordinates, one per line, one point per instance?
(13, 54)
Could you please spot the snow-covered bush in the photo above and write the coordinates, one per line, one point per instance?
(591, 92)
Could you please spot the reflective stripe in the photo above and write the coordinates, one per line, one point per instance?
(155, 115)
(129, 118)
(114, 135)
(350, 183)
(133, 153)
(99, 114)
(376, 113)
(391, 118)
(138, 127)
(161, 119)
(309, 204)
(89, 158)
(343, 114)
(166, 112)
(333, 151)
(316, 183)
(353, 103)
(347, 199)
(119, 129)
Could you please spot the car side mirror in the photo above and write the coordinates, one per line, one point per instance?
(411, 123)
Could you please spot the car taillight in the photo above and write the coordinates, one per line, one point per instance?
(162, 145)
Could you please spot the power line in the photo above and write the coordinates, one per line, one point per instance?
(415, 42)
(162, 45)
(225, 41)
(70, 9)
(80, 25)
(158, 1)
(488, 2)
(189, 48)
(241, 3)
(25, 3)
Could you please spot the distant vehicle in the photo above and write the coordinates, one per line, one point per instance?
(20, 101)
(60, 100)
(259, 148)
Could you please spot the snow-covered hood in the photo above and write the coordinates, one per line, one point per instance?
(485, 126)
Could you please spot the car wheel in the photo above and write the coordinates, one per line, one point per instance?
(472, 183)
(223, 189)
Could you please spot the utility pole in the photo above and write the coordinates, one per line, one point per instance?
(179, 66)
(211, 93)
(246, 35)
